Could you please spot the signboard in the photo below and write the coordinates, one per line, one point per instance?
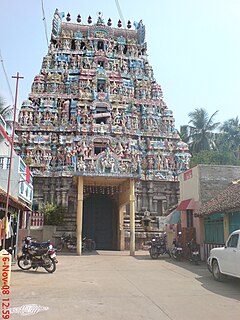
(187, 175)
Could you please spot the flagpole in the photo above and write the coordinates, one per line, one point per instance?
(11, 154)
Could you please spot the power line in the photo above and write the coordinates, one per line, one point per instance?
(44, 22)
(6, 77)
(120, 13)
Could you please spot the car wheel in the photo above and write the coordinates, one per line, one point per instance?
(217, 275)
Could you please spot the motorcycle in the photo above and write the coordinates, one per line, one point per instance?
(194, 252)
(67, 241)
(35, 255)
(70, 242)
(88, 244)
(158, 247)
(177, 250)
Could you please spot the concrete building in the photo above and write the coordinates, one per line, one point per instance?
(20, 189)
(197, 186)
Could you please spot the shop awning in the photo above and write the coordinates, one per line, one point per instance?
(188, 204)
(173, 218)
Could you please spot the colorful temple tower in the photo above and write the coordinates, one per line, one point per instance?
(97, 134)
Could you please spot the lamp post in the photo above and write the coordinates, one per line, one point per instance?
(11, 154)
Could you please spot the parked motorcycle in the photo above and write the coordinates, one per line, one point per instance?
(35, 255)
(67, 241)
(194, 254)
(70, 242)
(88, 244)
(177, 250)
(158, 246)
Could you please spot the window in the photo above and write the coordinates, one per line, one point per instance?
(101, 120)
(22, 167)
(100, 45)
(101, 115)
(8, 163)
(83, 45)
(101, 63)
(101, 86)
(73, 46)
(35, 206)
(99, 146)
(233, 241)
(159, 207)
(1, 162)
(189, 218)
(21, 187)
(4, 163)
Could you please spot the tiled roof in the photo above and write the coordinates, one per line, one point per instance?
(226, 201)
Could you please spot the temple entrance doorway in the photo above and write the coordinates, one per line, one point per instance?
(100, 211)
(100, 221)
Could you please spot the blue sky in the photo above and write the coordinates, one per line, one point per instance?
(193, 46)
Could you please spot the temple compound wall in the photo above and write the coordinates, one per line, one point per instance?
(96, 111)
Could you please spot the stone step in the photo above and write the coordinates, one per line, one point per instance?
(136, 230)
(67, 221)
(65, 228)
(70, 216)
(136, 221)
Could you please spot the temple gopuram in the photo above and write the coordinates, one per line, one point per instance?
(98, 136)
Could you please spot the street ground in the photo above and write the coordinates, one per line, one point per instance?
(113, 285)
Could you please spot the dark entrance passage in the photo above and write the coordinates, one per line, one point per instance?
(100, 221)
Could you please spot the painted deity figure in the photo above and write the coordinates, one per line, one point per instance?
(91, 166)
(79, 118)
(81, 165)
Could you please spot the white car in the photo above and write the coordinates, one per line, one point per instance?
(225, 261)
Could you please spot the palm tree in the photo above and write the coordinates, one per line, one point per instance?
(6, 112)
(184, 133)
(201, 128)
(231, 134)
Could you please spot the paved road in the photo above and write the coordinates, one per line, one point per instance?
(113, 285)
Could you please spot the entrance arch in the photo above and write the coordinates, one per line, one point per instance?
(124, 195)
(100, 221)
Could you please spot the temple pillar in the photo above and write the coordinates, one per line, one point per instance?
(132, 217)
(59, 198)
(64, 198)
(52, 196)
(139, 203)
(121, 228)
(79, 215)
(150, 202)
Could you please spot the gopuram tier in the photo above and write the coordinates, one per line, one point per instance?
(96, 110)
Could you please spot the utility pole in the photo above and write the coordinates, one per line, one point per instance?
(11, 154)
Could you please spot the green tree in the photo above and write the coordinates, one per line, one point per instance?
(53, 214)
(214, 157)
(184, 133)
(201, 130)
(230, 139)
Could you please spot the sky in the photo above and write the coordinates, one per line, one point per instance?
(193, 46)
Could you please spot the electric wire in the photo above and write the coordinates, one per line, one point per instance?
(44, 22)
(120, 13)
(6, 77)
